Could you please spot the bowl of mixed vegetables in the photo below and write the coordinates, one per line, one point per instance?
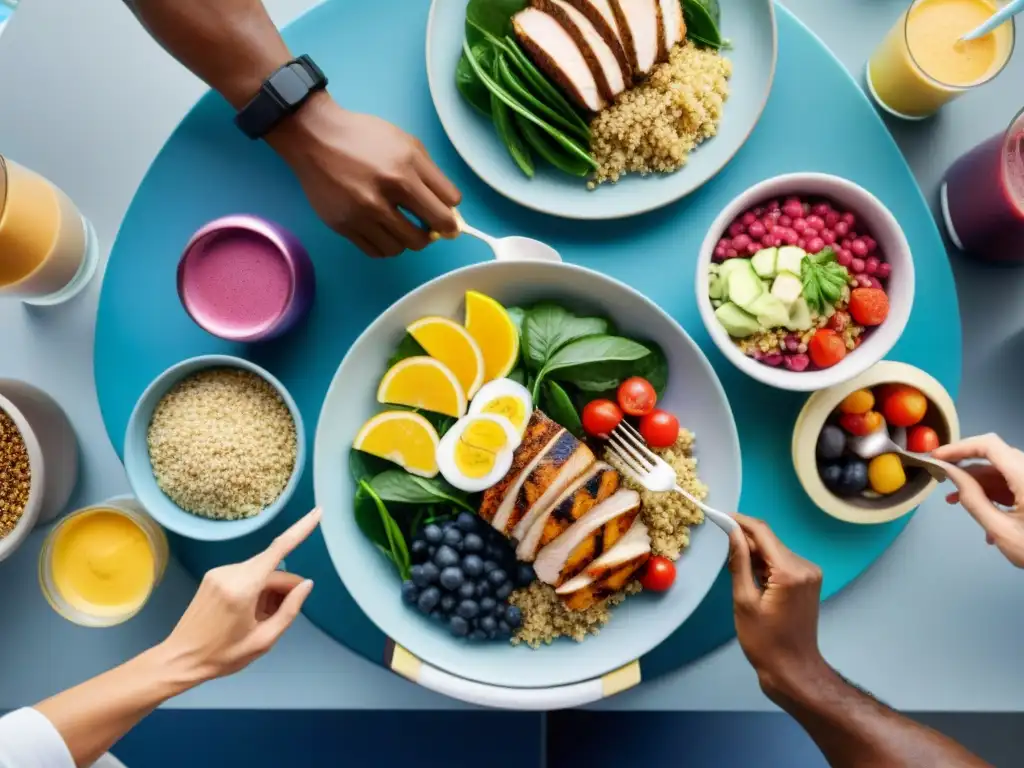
(805, 281)
(909, 405)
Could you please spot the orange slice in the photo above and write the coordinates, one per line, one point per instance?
(424, 383)
(449, 342)
(402, 437)
(494, 332)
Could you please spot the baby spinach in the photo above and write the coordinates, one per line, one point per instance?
(518, 375)
(544, 88)
(713, 9)
(654, 368)
(517, 315)
(494, 16)
(549, 327)
(363, 466)
(506, 127)
(558, 405)
(381, 529)
(468, 84)
(520, 91)
(400, 487)
(700, 24)
(407, 347)
(592, 362)
(550, 151)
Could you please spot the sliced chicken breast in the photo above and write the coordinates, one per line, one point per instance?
(540, 433)
(610, 573)
(640, 25)
(553, 49)
(599, 56)
(508, 502)
(602, 17)
(583, 543)
(673, 23)
(592, 487)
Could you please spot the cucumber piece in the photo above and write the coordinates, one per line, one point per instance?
(770, 311)
(790, 258)
(716, 303)
(764, 260)
(736, 322)
(744, 285)
(713, 268)
(715, 287)
(787, 288)
(799, 316)
(728, 266)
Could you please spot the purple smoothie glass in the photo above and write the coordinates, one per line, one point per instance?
(243, 278)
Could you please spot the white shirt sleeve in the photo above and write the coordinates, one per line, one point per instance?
(29, 740)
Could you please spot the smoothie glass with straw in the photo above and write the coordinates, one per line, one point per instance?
(48, 250)
(982, 197)
(922, 63)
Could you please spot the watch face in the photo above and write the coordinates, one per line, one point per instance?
(289, 85)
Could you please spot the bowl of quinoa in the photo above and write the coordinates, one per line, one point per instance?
(214, 448)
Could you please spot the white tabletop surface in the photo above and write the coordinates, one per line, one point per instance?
(88, 100)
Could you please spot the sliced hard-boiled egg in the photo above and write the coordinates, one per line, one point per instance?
(504, 397)
(477, 451)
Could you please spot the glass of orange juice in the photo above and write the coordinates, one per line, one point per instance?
(49, 250)
(922, 63)
(99, 565)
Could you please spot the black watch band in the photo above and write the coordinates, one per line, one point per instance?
(280, 95)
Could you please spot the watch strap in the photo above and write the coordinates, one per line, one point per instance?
(281, 95)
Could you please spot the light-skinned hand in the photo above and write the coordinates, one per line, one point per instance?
(241, 610)
(1000, 479)
(776, 615)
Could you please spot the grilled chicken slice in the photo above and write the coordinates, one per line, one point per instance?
(563, 462)
(610, 572)
(599, 56)
(553, 49)
(673, 24)
(594, 486)
(602, 17)
(540, 434)
(640, 26)
(584, 542)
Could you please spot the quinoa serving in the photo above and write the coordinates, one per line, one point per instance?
(222, 444)
(15, 475)
(653, 127)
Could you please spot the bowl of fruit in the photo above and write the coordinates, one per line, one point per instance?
(805, 281)
(919, 416)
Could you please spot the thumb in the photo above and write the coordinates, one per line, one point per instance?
(271, 628)
(744, 590)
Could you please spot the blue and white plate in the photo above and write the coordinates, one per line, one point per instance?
(750, 27)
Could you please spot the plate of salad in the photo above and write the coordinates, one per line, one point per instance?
(553, 103)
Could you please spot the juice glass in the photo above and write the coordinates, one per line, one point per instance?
(982, 197)
(49, 250)
(921, 64)
(99, 565)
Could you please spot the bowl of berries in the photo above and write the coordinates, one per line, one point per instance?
(805, 281)
(915, 410)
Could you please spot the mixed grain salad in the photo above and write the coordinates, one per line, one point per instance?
(486, 483)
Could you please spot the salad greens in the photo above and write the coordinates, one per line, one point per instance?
(380, 527)
(399, 486)
(555, 401)
(701, 18)
(823, 279)
(506, 127)
(549, 327)
(469, 84)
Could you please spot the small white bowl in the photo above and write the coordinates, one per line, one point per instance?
(52, 456)
(891, 241)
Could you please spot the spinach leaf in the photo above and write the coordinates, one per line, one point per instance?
(558, 406)
(700, 24)
(713, 9)
(469, 84)
(494, 16)
(549, 327)
(398, 486)
(515, 106)
(363, 466)
(516, 87)
(654, 367)
(594, 363)
(407, 347)
(517, 315)
(506, 127)
(550, 151)
(543, 88)
(384, 532)
(518, 375)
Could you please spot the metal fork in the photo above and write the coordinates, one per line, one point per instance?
(654, 473)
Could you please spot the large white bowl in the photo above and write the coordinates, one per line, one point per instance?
(891, 241)
(640, 623)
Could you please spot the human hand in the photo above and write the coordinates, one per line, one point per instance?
(1001, 480)
(777, 623)
(241, 610)
(357, 170)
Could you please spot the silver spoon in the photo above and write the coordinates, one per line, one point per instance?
(879, 442)
(511, 248)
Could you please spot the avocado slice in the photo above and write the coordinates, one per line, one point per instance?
(736, 322)
(770, 311)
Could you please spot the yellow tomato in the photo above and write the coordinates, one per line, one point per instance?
(885, 474)
(858, 402)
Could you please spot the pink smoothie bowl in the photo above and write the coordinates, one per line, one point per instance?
(243, 278)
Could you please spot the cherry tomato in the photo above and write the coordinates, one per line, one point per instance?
(826, 348)
(886, 474)
(659, 574)
(861, 424)
(904, 407)
(600, 417)
(660, 429)
(922, 439)
(637, 397)
(869, 306)
(860, 401)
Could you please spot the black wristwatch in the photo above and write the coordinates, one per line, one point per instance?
(280, 95)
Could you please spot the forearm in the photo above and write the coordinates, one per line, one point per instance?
(91, 717)
(853, 730)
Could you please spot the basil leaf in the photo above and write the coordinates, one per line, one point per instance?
(549, 327)
(594, 363)
(558, 406)
(468, 84)
(398, 486)
(407, 347)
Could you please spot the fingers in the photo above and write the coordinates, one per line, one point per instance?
(744, 591)
(364, 245)
(975, 500)
(990, 446)
(271, 629)
(420, 199)
(286, 543)
(282, 581)
(437, 182)
(992, 480)
(411, 237)
(766, 543)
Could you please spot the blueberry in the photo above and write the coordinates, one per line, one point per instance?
(489, 565)
(448, 603)
(458, 626)
(525, 575)
(487, 605)
(483, 589)
(438, 615)
(478, 635)
(854, 477)
(447, 525)
(472, 543)
(452, 537)
(831, 442)
(468, 609)
(446, 556)
(429, 599)
(513, 616)
(504, 630)
(419, 550)
(431, 551)
(503, 591)
(467, 590)
(472, 565)
(419, 578)
(452, 578)
(831, 474)
(497, 577)
(488, 624)
(467, 522)
(433, 534)
(496, 551)
(410, 594)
